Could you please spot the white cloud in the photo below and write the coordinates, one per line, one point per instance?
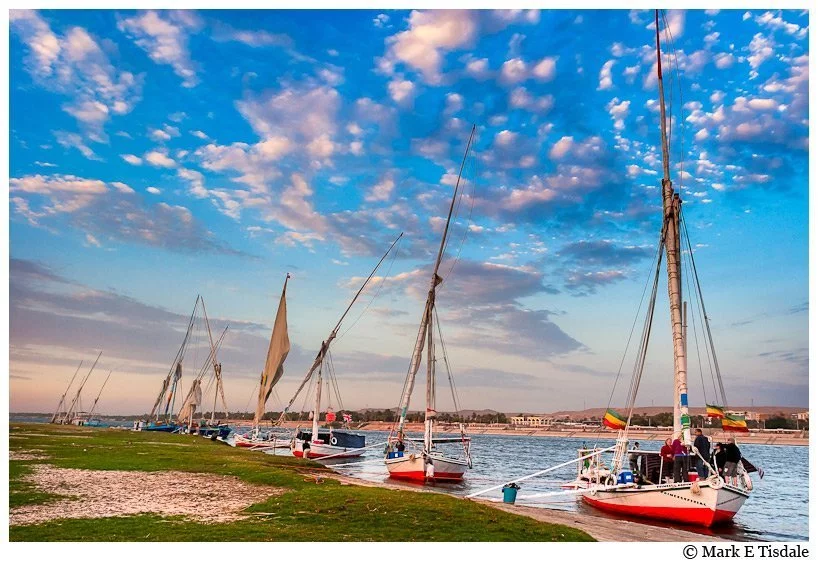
(382, 191)
(545, 70)
(776, 22)
(401, 91)
(430, 35)
(76, 66)
(513, 70)
(561, 147)
(159, 159)
(761, 49)
(618, 111)
(454, 103)
(605, 75)
(165, 39)
(132, 159)
(724, 60)
(153, 190)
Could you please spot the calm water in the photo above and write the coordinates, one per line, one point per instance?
(776, 511)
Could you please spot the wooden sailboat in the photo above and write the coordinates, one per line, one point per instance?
(332, 443)
(702, 502)
(193, 399)
(161, 416)
(426, 462)
(74, 413)
(273, 371)
(61, 404)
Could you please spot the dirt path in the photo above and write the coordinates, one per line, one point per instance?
(99, 494)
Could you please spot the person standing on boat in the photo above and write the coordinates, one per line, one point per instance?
(732, 457)
(679, 459)
(667, 458)
(718, 458)
(702, 445)
(634, 459)
(305, 447)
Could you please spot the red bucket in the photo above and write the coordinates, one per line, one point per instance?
(692, 476)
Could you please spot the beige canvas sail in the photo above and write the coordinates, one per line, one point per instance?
(192, 402)
(276, 354)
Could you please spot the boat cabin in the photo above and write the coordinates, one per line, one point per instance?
(337, 438)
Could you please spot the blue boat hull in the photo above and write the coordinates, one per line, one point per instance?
(159, 428)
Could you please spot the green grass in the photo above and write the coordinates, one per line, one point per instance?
(306, 511)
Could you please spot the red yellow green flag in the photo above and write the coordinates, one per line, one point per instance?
(732, 423)
(613, 420)
(714, 411)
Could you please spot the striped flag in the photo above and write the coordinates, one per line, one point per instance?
(732, 423)
(613, 420)
(714, 411)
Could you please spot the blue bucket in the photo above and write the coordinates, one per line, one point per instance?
(625, 478)
(510, 493)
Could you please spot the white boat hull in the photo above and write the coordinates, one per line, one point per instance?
(321, 449)
(410, 467)
(675, 502)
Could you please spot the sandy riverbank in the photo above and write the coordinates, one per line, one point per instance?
(762, 438)
(600, 527)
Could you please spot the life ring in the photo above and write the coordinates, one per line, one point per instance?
(333, 440)
(716, 482)
(746, 481)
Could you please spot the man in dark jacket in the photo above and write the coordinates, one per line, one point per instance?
(702, 445)
(732, 457)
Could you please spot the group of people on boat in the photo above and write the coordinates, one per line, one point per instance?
(676, 458)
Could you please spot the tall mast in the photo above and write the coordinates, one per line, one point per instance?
(316, 414)
(175, 371)
(427, 313)
(70, 412)
(671, 208)
(93, 406)
(276, 355)
(62, 398)
(319, 358)
(217, 367)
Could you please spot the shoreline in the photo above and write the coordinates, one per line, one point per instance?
(602, 528)
(756, 438)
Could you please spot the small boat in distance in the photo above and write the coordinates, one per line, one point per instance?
(426, 462)
(74, 413)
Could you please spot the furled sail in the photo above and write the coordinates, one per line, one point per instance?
(193, 400)
(276, 354)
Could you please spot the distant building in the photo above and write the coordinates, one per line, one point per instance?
(801, 416)
(531, 421)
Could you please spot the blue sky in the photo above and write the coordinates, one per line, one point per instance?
(157, 155)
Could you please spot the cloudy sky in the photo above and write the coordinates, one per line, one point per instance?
(160, 155)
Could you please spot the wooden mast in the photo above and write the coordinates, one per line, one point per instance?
(70, 412)
(61, 404)
(427, 318)
(91, 412)
(671, 209)
(319, 357)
